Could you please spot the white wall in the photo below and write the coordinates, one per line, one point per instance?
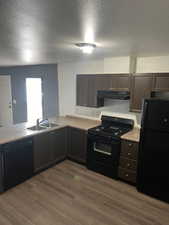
(117, 65)
(152, 64)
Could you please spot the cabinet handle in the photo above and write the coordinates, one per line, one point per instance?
(128, 164)
(130, 144)
(128, 153)
(126, 175)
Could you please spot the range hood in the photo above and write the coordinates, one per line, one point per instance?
(121, 95)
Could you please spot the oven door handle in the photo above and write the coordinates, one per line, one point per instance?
(100, 151)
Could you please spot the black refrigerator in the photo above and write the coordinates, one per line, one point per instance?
(153, 156)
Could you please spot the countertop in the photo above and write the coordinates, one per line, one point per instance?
(20, 131)
(133, 135)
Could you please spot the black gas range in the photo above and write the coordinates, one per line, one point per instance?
(104, 144)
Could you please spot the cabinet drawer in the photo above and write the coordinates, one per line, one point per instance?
(128, 164)
(127, 175)
(129, 149)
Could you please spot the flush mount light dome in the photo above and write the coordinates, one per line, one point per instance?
(86, 48)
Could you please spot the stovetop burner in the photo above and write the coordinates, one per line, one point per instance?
(113, 131)
(113, 126)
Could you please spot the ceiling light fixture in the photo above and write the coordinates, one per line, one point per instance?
(86, 48)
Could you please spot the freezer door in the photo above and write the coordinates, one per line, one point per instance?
(156, 115)
(153, 164)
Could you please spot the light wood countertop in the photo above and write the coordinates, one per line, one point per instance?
(20, 131)
(133, 135)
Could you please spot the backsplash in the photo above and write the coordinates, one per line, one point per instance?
(112, 106)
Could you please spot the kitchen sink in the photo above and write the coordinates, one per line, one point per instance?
(50, 125)
(36, 128)
(43, 127)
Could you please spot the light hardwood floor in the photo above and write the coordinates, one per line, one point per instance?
(69, 194)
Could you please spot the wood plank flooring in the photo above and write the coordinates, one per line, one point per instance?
(69, 194)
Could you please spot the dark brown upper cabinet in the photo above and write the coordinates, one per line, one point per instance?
(88, 86)
(82, 90)
(162, 82)
(141, 87)
(120, 82)
(86, 89)
(102, 82)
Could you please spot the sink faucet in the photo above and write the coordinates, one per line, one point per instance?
(37, 123)
(42, 121)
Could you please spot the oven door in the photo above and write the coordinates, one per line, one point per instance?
(103, 150)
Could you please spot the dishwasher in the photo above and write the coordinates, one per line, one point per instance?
(16, 162)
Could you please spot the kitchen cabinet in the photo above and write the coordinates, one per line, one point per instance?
(123, 82)
(41, 151)
(77, 144)
(103, 82)
(120, 82)
(58, 144)
(49, 147)
(128, 161)
(162, 82)
(17, 162)
(92, 92)
(112, 82)
(86, 91)
(141, 87)
(82, 90)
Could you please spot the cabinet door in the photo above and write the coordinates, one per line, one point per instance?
(82, 90)
(18, 162)
(92, 92)
(103, 82)
(58, 144)
(162, 82)
(77, 145)
(142, 86)
(120, 82)
(123, 82)
(42, 156)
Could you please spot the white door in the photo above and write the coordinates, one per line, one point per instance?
(34, 99)
(6, 114)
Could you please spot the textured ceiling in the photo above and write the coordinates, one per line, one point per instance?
(44, 31)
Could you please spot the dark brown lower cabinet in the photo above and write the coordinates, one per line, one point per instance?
(77, 144)
(128, 161)
(41, 151)
(58, 144)
(49, 147)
